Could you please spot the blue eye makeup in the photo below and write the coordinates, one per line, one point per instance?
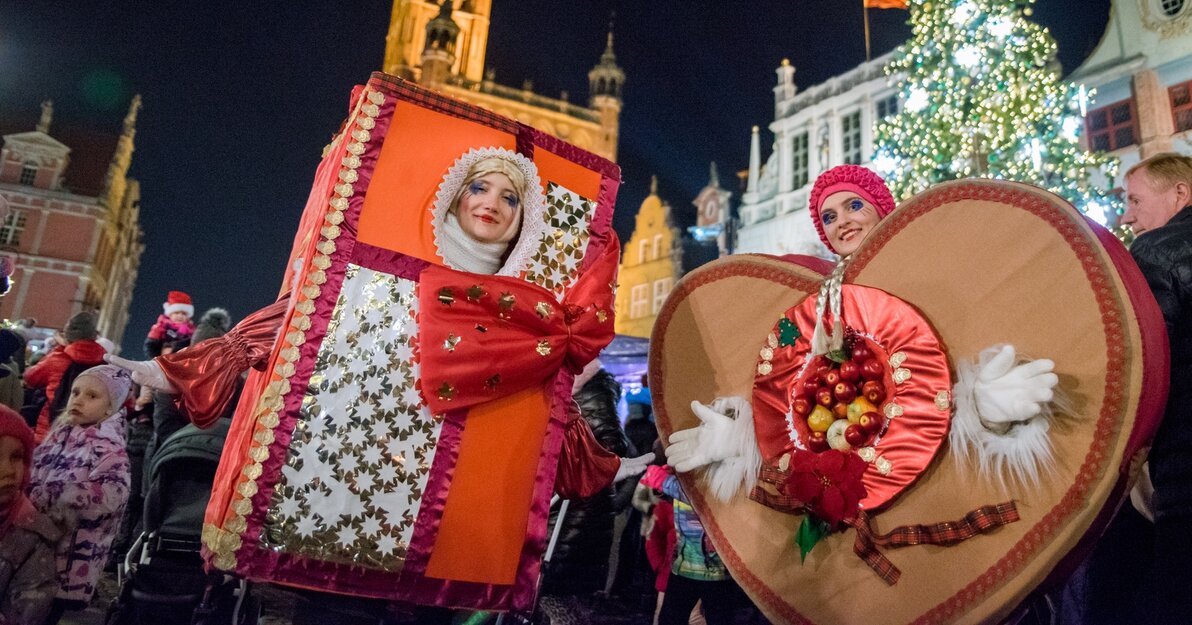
(476, 187)
(511, 200)
(855, 204)
(827, 217)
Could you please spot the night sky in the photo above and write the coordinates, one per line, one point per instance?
(240, 97)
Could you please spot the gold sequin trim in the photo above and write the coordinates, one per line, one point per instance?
(224, 542)
(867, 453)
(897, 358)
(446, 296)
(543, 348)
(901, 375)
(450, 342)
(446, 392)
(893, 411)
(475, 292)
(601, 316)
(543, 309)
(767, 353)
(943, 400)
(764, 368)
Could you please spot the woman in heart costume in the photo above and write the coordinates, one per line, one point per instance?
(408, 414)
(854, 399)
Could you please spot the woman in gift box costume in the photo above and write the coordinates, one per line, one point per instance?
(402, 435)
(888, 407)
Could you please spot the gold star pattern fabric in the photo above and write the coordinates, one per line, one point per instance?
(561, 246)
(361, 453)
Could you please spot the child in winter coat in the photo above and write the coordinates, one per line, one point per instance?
(79, 351)
(173, 327)
(81, 476)
(27, 537)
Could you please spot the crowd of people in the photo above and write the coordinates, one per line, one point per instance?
(76, 435)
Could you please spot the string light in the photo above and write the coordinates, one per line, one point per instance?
(982, 97)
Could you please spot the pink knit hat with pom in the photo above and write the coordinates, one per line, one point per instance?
(866, 184)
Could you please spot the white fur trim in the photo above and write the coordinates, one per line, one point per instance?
(533, 206)
(189, 309)
(1021, 455)
(741, 467)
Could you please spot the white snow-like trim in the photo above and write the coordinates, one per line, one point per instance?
(741, 467)
(1019, 456)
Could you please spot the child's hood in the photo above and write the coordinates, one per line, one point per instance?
(86, 352)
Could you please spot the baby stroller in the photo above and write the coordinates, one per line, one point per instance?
(162, 579)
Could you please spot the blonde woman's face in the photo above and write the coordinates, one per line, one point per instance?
(488, 209)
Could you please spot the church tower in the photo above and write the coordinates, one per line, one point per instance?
(438, 54)
(406, 40)
(604, 86)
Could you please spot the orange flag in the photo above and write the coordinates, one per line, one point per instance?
(885, 4)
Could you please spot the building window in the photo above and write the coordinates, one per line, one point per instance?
(1181, 106)
(662, 288)
(1171, 8)
(1112, 127)
(799, 159)
(887, 106)
(658, 246)
(639, 300)
(29, 173)
(850, 130)
(642, 247)
(10, 231)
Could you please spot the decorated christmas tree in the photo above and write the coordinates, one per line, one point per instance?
(983, 97)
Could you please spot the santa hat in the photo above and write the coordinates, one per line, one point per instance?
(866, 184)
(177, 301)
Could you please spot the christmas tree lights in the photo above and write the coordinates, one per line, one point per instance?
(983, 98)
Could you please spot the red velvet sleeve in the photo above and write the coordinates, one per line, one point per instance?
(205, 374)
(585, 468)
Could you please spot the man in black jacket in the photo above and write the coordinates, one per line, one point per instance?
(1158, 198)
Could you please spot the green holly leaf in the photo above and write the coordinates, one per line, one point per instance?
(838, 355)
(788, 332)
(811, 531)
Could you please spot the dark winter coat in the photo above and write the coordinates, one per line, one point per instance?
(1165, 257)
(579, 564)
(27, 578)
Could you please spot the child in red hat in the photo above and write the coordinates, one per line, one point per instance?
(174, 327)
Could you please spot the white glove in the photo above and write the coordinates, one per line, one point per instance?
(1006, 394)
(146, 373)
(711, 441)
(633, 466)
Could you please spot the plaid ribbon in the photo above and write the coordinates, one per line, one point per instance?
(781, 502)
(979, 521)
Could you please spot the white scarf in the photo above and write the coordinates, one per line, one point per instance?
(464, 253)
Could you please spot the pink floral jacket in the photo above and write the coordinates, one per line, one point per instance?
(80, 478)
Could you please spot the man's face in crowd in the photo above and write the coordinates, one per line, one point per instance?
(1149, 205)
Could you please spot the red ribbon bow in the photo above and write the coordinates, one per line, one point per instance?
(484, 337)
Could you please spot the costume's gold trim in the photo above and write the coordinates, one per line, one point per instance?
(224, 542)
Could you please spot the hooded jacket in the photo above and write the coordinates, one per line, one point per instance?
(48, 374)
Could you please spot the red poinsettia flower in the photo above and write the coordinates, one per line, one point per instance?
(828, 484)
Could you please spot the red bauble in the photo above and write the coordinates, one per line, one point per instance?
(854, 435)
(850, 371)
(872, 369)
(871, 422)
(874, 391)
(845, 392)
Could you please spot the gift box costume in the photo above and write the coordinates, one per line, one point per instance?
(401, 433)
(954, 270)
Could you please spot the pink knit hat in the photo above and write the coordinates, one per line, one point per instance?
(866, 184)
(13, 424)
(115, 379)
